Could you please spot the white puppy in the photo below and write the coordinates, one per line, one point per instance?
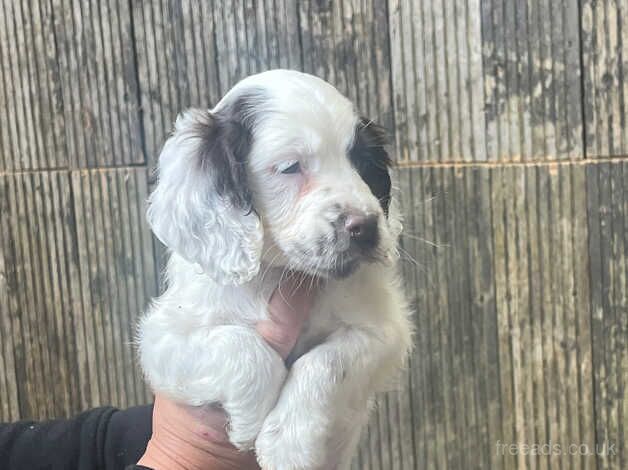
(281, 174)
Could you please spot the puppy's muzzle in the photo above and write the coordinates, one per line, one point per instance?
(357, 233)
(363, 231)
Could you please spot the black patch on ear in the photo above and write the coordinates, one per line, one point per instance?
(369, 157)
(226, 139)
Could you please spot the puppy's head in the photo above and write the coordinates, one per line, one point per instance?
(282, 171)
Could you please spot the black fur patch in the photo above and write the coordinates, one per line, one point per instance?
(369, 157)
(226, 138)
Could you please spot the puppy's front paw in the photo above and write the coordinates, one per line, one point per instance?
(293, 440)
(247, 384)
(248, 411)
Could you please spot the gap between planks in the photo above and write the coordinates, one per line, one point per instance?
(510, 163)
(100, 169)
(400, 165)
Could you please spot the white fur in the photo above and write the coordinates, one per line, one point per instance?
(198, 342)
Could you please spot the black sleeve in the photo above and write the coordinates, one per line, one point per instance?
(102, 438)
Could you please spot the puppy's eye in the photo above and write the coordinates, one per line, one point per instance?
(289, 168)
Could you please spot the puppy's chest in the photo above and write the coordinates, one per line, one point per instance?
(314, 332)
(329, 314)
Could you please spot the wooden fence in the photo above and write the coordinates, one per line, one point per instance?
(511, 127)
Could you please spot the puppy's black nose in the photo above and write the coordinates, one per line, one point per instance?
(362, 230)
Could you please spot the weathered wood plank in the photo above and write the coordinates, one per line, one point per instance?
(445, 390)
(346, 43)
(69, 90)
(605, 47)
(513, 80)
(105, 203)
(59, 219)
(419, 258)
(119, 282)
(91, 311)
(483, 314)
(451, 393)
(35, 350)
(54, 364)
(64, 270)
(134, 191)
(436, 365)
(553, 228)
(556, 309)
(607, 203)
(15, 260)
(464, 330)
(537, 246)
(190, 53)
(437, 80)
(9, 408)
(33, 298)
(99, 87)
(582, 322)
(18, 54)
(503, 336)
(408, 410)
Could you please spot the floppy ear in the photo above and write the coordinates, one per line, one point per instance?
(201, 208)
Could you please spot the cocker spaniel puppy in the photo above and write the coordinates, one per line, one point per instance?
(281, 175)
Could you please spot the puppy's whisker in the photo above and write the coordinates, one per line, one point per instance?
(267, 251)
(318, 266)
(302, 278)
(263, 275)
(270, 265)
(409, 256)
(429, 199)
(283, 297)
(425, 240)
(312, 279)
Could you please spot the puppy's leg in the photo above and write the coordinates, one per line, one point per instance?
(348, 437)
(335, 378)
(230, 365)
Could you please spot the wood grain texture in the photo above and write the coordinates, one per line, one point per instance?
(346, 43)
(607, 204)
(503, 348)
(436, 50)
(191, 52)
(31, 107)
(76, 271)
(605, 66)
(100, 89)
(547, 369)
(509, 138)
(493, 80)
(69, 95)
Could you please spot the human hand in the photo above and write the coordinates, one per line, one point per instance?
(186, 437)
